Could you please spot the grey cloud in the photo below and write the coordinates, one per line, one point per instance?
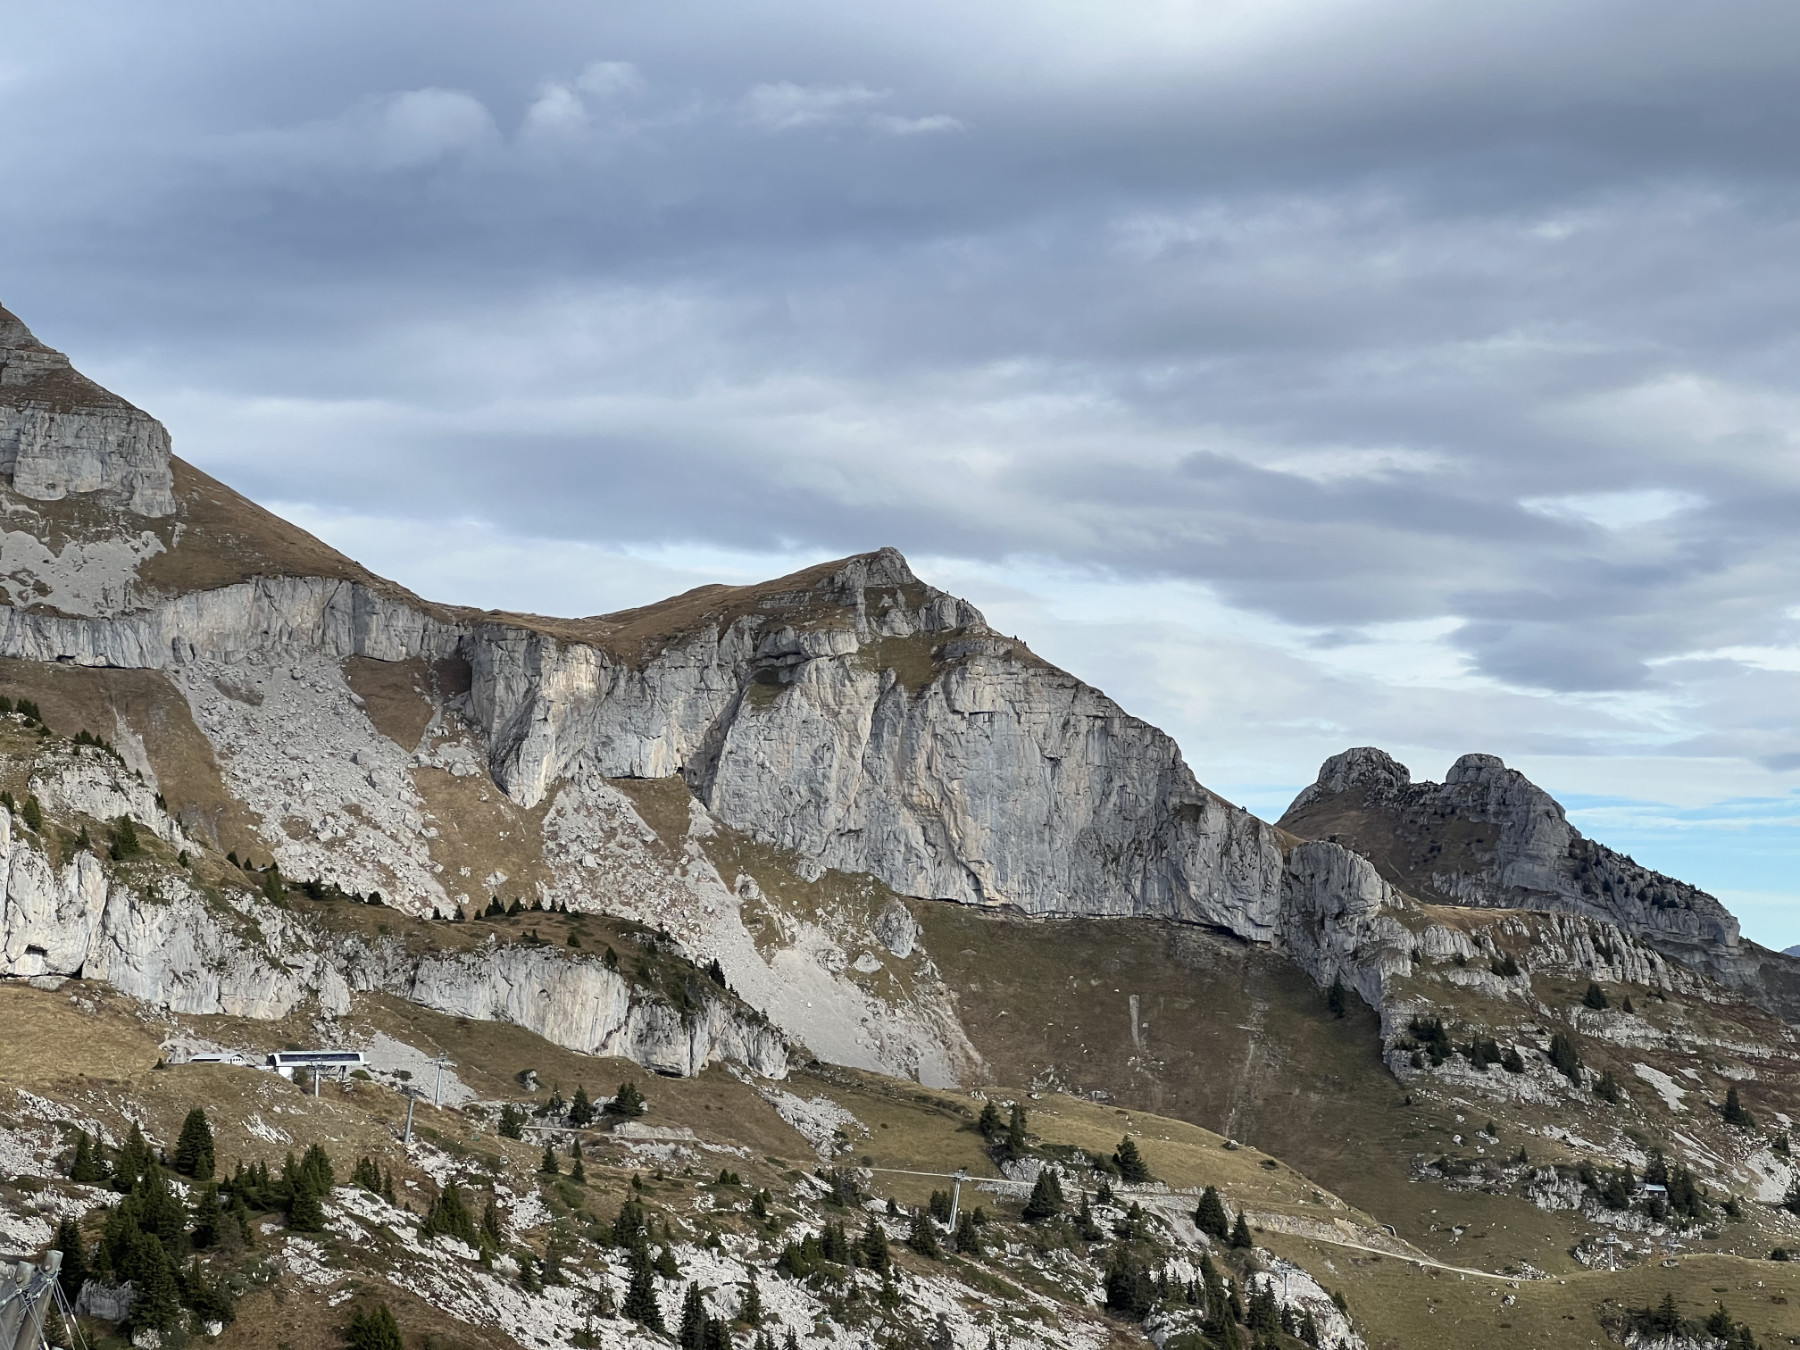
(1321, 312)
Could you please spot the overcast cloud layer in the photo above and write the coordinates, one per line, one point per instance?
(1306, 374)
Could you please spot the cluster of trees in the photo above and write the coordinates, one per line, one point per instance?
(1682, 1200)
(578, 1112)
(834, 1246)
(151, 1236)
(31, 813)
(1226, 1315)
(1665, 1321)
(1210, 1218)
(1006, 1139)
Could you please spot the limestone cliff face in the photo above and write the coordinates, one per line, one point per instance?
(61, 434)
(850, 716)
(152, 934)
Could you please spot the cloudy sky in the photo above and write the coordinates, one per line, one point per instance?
(1306, 374)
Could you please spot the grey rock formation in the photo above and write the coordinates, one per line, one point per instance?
(167, 943)
(61, 434)
(1488, 836)
(851, 716)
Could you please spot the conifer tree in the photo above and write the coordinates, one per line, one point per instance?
(1046, 1200)
(581, 1110)
(208, 1218)
(1240, 1233)
(1595, 997)
(372, 1327)
(1130, 1162)
(989, 1123)
(1564, 1059)
(194, 1148)
(922, 1238)
(967, 1238)
(1015, 1133)
(1210, 1217)
(549, 1166)
(135, 1158)
(750, 1309)
(367, 1175)
(691, 1333)
(873, 1248)
(628, 1102)
(640, 1294)
(124, 840)
(155, 1303)
(1335, 1001)
(87, 1167)
(317, 1165)
(74, 1270)
(306, 1209)
(1735, 1114)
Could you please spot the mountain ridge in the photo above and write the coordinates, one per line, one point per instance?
(830, 830)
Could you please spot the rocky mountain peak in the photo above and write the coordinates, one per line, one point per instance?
(1362, 766)
(62, 435)
(1488, 836)
(1478, 769)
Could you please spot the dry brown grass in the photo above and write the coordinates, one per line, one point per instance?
(78, 698)
(394, 695)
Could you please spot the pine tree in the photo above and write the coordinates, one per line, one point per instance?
(1735, 1114)
(367, 1175)
(306, 1210)
(1046, 1200)
(581, 1110)
(922, 1238)
(1595, 997)
(1240, 1233)
(1015, 1133)
(194, 1149)
(87, 1167)
(373, 1328)
(124, 840)
(1210, 1217)
(208, 1218)
(693, 1320)
(317, 1165)
(967, 1238)
(750, 1309)
(640, 1294)
(134, 1158)
(449, 1215)
(155, 1303)
(873, 1248)
(989, 1125)
(629, 1102)
(1564, 1059)
(549, 1166)
(1335, 1001)
(490, 1222)
(74, 1271)
(1130, 1162)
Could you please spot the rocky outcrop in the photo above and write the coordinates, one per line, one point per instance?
(152, 934)
(572, 1001)
(1487, 836)
(1340, 920)
(62, 434)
